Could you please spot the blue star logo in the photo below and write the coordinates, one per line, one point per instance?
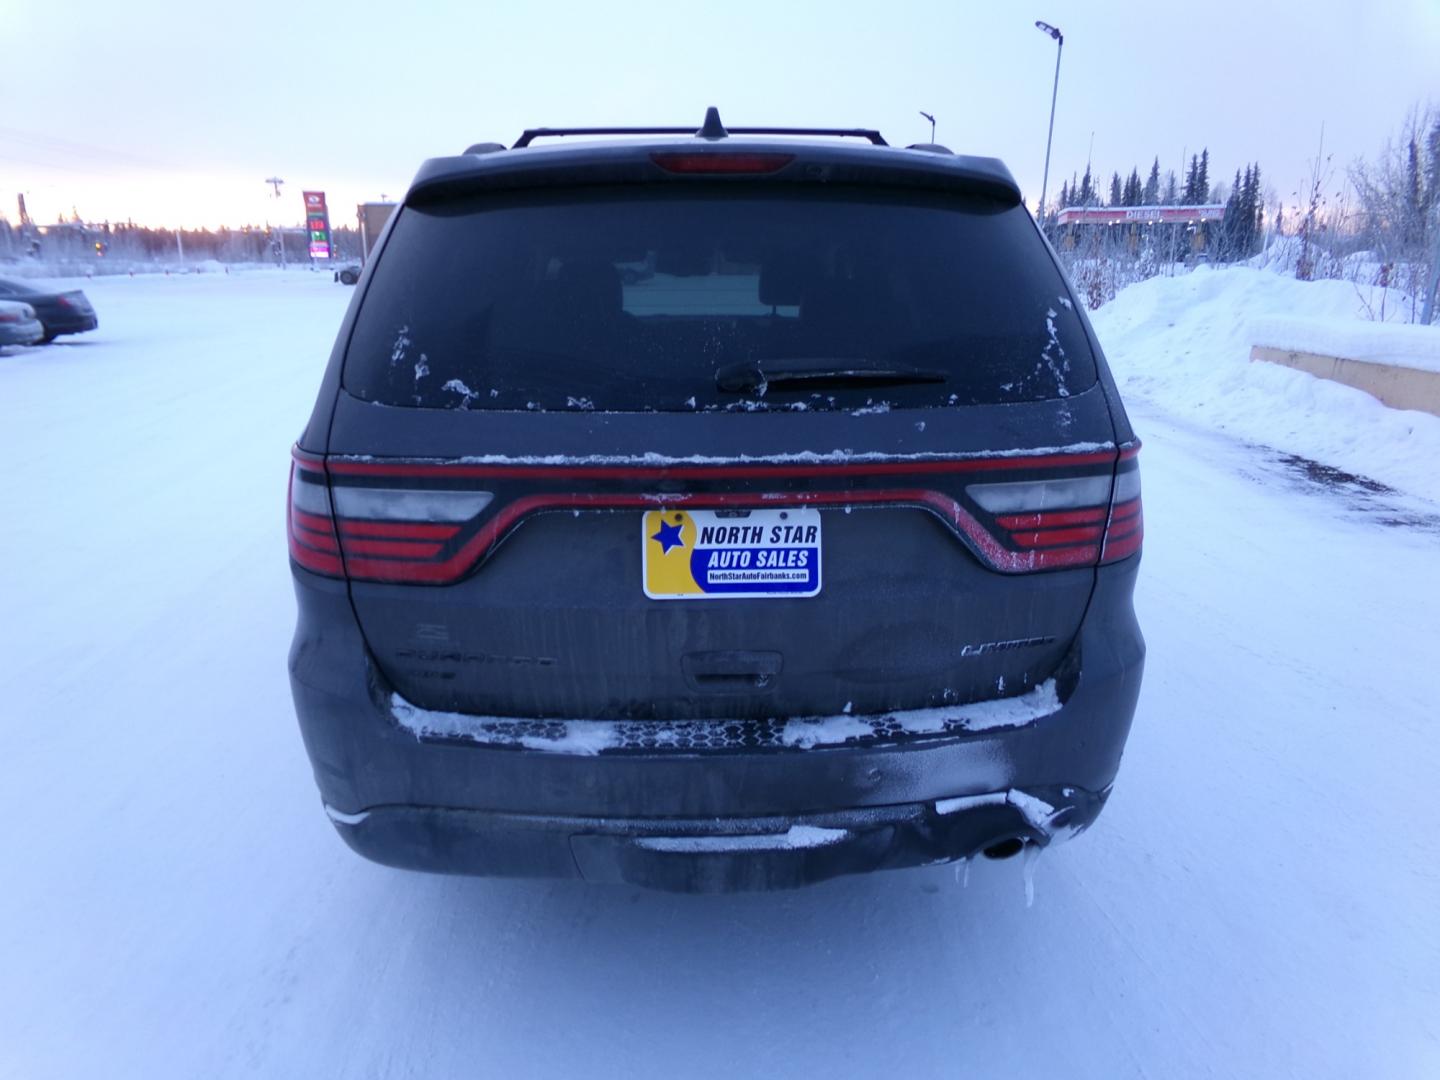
(668, 537)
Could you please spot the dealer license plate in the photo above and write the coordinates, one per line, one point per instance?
(731, 554)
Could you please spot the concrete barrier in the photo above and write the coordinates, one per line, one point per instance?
(1397, 386)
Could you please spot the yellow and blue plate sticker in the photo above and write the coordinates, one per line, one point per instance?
(731, 554)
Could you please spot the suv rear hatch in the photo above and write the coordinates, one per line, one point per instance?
(871, 417)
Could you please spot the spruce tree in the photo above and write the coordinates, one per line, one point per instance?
(1245, 216)
(1252, 209)
(1133, 190)
(1257, 211)
(1432, 167)
(1151, 194)
(1232, 229)
(1413, 196)
(1202, 179)
(1117, 198)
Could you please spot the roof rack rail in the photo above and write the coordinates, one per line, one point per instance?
(711, 129)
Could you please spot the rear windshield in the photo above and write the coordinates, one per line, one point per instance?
(657, 299)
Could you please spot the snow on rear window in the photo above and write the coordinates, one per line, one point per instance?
(654, 298)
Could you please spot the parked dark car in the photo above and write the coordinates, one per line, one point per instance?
(66, 312)
(809, 553)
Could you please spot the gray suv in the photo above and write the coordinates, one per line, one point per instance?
(809, 551)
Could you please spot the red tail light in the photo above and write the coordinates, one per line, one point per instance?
(1126, 528)
(721, 163)
(401, 532)
(1069, 520)
(310, 519)
(388, 529)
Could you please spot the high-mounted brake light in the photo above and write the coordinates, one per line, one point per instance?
(722, 163)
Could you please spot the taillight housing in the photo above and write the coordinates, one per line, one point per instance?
(1125, 528)
(1058, 521)
(381, 528)
(310, 519)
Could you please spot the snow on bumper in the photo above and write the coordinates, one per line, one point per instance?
(804, 733)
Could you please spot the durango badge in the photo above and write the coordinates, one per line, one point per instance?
(702, 554)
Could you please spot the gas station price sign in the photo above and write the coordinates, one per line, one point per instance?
(317, 224)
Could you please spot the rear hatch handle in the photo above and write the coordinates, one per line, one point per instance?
(731, 671)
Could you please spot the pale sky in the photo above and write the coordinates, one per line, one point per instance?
(175, 111)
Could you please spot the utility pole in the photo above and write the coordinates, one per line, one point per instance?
(1054, 32)
(179, 247)
(275, 182)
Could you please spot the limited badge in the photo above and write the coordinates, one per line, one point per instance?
(731, 554)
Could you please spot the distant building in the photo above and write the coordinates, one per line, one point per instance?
(1177, 229)
(1140, 215)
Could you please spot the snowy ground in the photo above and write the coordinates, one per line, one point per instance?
(1259, 899)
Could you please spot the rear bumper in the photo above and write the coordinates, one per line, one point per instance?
(69, 324)
(21, 333)
(710, 855)
(661, 818)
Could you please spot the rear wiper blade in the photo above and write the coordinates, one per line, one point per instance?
(750, 376)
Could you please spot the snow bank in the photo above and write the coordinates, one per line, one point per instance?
(82, 270)
(1182, 345)
(1404, 345)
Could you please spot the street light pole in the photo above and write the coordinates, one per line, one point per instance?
(927, 116)
(1054, 32)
